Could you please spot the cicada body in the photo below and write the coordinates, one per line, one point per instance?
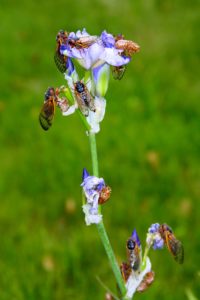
(118, 71)
(48, 109)
(128, 47)
(82, 42)
(146, 282)
(84, 99)
(104, 195)
(133, 253)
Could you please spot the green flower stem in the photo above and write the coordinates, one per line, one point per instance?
(111, 257)
(100, 226)
(146, 251)
(93, 149)
(87, 126)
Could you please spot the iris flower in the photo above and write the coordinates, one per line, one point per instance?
(154, 238)
(92, 188)
(96, 54)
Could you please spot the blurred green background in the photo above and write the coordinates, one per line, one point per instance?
(149, 150)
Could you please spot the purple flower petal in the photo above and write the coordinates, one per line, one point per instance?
(158, 243)
(100, 186)
(70, 66)
(154, 228)
(72, 35)
(92, 187)
(90, 56)
(107, 39)
(82, 33)
(154, 238)
(112, 57)
(85, 174)
(135, 237)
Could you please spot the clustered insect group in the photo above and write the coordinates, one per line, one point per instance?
(134, 255)
(83, 97)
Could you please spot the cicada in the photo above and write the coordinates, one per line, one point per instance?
(174, 246)
(48, 109)
(83, 97)
(133, 253)
(118, 71)
(128, 47)
(146, 282)
(61, 60)
(104, 194)
(82, 42)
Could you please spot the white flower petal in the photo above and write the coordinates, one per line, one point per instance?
(92, 197)
(82, 33)
(134, 280)
(112, 57)
(96, 117)
(91, 218)
(89, 56)
(71, 79)
(92, 181)
(70, 111)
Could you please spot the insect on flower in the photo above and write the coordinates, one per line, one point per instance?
(51, 99)
(118, 71)
(104, 195)
(146, 282)
(48, 109)
(60, 60)
(174, 246)
(82, 42)
(128, 47)
(133, 253)
(83, 97)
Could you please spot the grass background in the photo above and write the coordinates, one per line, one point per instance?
(149, 149)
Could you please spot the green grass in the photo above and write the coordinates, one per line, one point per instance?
(149, 150)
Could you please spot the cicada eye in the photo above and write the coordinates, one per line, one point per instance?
(60, 34)
(167, 228)
(131, 244)
(79, 87)
(50, 92)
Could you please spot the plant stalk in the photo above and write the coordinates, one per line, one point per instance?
(101, 229)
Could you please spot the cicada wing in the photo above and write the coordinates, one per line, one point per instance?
(125, 270)
(60, 61)
(83, 42)
(146, 282)
(176, 248)
(81, 104)
(47, 114)
(180, 253)
(91, 103)
(88, 99)
(118, 71)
